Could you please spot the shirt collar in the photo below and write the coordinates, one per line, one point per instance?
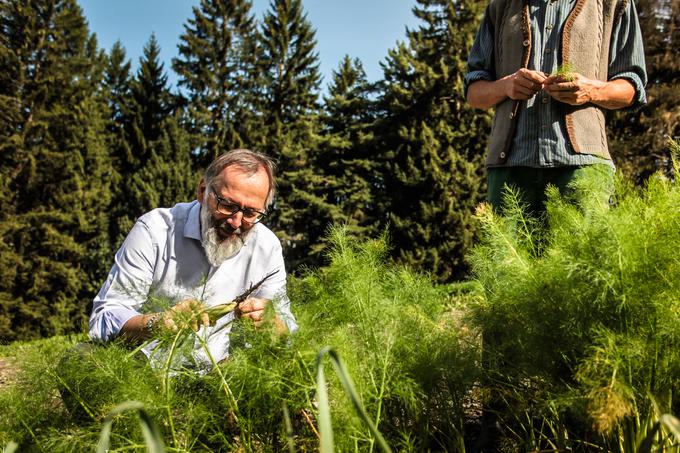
(192, 228)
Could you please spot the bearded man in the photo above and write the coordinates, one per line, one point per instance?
(196, 255)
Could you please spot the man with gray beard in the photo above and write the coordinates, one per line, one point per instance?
(176, 263)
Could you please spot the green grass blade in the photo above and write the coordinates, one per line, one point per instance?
(325, 426)
(289, 429)
(152, 436)
(324, 408)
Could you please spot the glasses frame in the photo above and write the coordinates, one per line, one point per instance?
(223, 202)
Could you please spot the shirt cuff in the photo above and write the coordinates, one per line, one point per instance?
(474, 76)
(107, 324)
(640, 94)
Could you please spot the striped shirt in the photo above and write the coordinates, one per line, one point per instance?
(540, 139)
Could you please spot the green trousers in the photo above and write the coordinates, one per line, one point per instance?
(532, 182)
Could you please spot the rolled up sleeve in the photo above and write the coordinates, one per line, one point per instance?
(480, 64)
(126, 287)
(627, 56)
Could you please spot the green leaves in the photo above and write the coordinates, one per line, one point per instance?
(152, 436)
(325, 427)
(580, 300)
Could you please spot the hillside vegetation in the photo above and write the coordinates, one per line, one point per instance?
(579, 313)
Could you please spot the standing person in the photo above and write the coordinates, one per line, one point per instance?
(196, 255)
(548, 125)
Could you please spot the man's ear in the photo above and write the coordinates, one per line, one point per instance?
(200, 192)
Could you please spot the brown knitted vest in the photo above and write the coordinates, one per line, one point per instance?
(585, 46)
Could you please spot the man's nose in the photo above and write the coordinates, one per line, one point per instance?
(236, 219)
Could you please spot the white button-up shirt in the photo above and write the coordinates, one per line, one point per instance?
(162, 262)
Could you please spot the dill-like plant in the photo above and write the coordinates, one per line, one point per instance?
(566, 72)
(401, 337)
(584, 308)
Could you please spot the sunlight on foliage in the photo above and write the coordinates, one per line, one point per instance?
(584, 303)
(398, 335)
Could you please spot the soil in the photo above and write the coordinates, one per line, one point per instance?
(8, 372)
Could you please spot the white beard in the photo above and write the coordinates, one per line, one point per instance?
(218, 250)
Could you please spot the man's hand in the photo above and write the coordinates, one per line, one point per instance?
(523, 84)
(576, 91)
(252, 308)
(186, 314)
(579, 90)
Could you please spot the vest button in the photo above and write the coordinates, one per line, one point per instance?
(526, 43)
(502, 154)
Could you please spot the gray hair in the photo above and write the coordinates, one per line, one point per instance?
(249, 162)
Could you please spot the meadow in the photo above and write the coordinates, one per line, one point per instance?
(567, 334)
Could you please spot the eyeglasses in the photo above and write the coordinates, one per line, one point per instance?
(226, 207)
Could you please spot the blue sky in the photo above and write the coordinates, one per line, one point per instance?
(363, 29)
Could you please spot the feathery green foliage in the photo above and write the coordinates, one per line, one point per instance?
(585, 310)
(566, 72)
(398, 335)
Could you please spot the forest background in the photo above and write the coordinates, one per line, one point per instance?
(87, 144)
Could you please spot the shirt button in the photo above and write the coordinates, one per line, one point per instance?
(549, 27)
(548, 50)
(526, 43)
(544, 99)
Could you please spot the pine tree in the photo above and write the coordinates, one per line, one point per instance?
(158, 169)
(288, 65)
(151, 100)
(118, 90)
(118, 86)
(346, 157)
(431, 147)
(55, 169)
(639, 142)
(167, 177)
(217, 74)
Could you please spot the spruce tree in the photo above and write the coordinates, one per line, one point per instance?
(168, 176)
(639, 137)
(432, 143)
(217, 75)
(55, 169)
(158, 170)
(117, 87)
(346, 157)
(151, 101)
(288, 65)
